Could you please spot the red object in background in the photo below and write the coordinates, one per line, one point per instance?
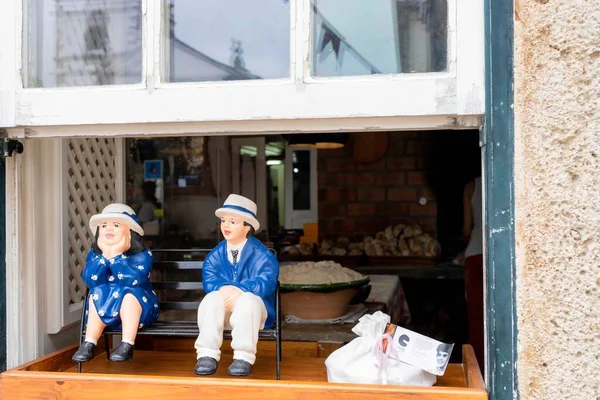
(474, 287)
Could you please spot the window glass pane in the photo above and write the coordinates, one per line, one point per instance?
(174, 191)
(367, 37)
(301, 179)
(82, 43)
(246, 174)
(176, 184)
(227, 40)
(274, 151)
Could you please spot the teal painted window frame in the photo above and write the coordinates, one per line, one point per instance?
(498, 151)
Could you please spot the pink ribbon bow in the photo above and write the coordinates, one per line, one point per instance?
(381, 356)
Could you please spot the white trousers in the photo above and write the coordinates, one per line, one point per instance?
(248, 317)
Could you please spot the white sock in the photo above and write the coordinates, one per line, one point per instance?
(92, 341)
(131, 342)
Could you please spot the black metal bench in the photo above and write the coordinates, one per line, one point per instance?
(182, 328)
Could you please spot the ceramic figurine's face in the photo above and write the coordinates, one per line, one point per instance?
(112, 232)
(233, 229)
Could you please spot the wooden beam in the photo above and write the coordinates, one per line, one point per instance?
(48, 385)
(239, 128)
(471, 369)
(57, 361)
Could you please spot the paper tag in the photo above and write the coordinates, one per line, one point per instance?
(419, 351)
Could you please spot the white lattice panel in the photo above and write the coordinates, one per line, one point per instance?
(91, 182)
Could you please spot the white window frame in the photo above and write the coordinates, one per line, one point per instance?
(451, 99)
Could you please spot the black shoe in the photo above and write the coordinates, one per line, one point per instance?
(205, 366)
(123, 353)
(239, 368)
(85, 352)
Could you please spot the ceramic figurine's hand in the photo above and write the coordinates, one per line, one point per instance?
(102, 246)
(107, 251)
(230, 296)
(226, 293)
(123, 245)
(237, 292)
(229, 305)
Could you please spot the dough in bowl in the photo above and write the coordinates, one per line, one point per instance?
(317, 273)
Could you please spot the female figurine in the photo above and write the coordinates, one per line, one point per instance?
(117, 274)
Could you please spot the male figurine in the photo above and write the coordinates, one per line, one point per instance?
(240, 279)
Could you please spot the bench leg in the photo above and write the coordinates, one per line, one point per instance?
(278, 346)
(82, 323)
(278, 330)
(278, 368)
(106, 346)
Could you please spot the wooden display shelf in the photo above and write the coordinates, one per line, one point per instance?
(169, 375)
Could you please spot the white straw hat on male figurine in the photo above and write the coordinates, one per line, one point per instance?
(241, 207)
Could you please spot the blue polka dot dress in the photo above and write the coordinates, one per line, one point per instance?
(110, 280)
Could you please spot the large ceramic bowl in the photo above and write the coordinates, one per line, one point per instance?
(319, 301)
(324, 288)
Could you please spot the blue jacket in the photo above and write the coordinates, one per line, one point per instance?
(257, 272)
(110, 280)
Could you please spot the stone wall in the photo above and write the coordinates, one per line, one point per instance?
(557, 197)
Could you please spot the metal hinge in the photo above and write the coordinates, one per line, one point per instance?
(9, 146)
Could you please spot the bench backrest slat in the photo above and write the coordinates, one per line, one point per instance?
(179, 305)
(175, 265)
(172, 261)
(178, 285)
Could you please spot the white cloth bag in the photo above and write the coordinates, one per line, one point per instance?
(363, 360)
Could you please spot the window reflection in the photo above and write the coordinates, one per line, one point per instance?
(176, 184)
(171, 186)
(246, 175)
(378, 37)
(301, 179)
(227, 40)
(81, 43)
